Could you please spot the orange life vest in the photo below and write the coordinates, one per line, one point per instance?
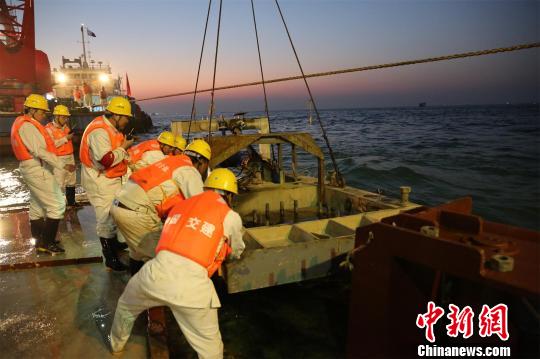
(136, 152)
(19, 149)
(58, 133)
(158, 173)
(194, 230)
(115, 137)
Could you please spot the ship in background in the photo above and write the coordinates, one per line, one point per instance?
(25, 70)
(79, 72)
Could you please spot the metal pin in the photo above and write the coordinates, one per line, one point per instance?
(295, 211)
(281, 212)
(254, 214)
(267, 214)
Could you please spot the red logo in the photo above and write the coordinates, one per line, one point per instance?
(460, 321)
(490, 321)
(429, 319)
(494, 321)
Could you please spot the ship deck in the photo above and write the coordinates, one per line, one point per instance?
(59, 306)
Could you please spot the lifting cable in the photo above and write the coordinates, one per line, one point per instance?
(260, 62)
(339, 177)
(198, 71)
(214, 78)
(262, 73)
(359, 69)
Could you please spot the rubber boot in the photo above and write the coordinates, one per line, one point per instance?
(111, 258)
(70, 196)
(117, 245)
(134, 266)
(49, 236)
(37, 227)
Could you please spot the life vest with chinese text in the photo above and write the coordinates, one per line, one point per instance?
(194, 230)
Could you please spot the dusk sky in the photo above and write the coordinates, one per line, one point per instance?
(158, 44)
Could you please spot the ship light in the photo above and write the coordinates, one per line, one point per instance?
(61, 78)
(103, 78)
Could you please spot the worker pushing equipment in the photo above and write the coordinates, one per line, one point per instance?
(198, 235)
(147, 152)
(148, 196)
(35, 150)
(104, 158)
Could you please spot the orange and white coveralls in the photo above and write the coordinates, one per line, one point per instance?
(64, 151)
(147, 197)
(144, 154)
(35, 150)
(104, 162)
(197, 236)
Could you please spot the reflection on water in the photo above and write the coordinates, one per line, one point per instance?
(12, 190)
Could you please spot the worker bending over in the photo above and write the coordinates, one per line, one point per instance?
(179, 145)
(62, 136)
(151, 151)
(104, 158)
(35, 150)
(147, 197)
(197, 236)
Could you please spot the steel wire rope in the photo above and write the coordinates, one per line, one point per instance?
(199, 70)
(339, 177)
(359, 69)
(262, 74)
(214, 78)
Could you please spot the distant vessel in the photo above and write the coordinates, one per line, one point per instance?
(78, 72)
(422, 104)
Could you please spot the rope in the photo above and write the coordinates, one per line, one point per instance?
(199, 71)
(262, 74)
(339, 177)
(358, 69)
(215, 67)
(260, 61)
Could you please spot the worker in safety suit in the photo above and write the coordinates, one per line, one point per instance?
(148, 196)
(150, 151)
(62, 136)
(104, 158)
(197, 236)
(35, 150)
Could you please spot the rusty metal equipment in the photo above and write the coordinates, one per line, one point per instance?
(23, 69)
(446, 255)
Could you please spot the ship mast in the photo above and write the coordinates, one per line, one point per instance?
(85, 63)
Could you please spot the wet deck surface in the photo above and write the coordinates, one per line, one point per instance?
(76, 233)
(62, 312)
(52, 308)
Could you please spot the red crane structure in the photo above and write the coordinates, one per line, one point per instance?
(23, 69)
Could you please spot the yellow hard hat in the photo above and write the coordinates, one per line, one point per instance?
(167, 138)
(120, 106)
(201, 147)
(222, 178)
(37, 101)
(180, 142)
(61, 110)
